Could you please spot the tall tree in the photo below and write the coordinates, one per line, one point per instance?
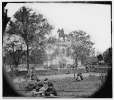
(30, 26)
(107, 56)
(81, 45)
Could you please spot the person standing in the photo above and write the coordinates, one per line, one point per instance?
(33, 76)
(68, 69)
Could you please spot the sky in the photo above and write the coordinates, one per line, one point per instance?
(94, 19)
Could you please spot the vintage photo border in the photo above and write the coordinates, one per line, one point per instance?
(83, 2)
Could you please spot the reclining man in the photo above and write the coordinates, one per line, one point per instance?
(50, 92)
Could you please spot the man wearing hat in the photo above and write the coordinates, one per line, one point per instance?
(46, 81)
(51, 90)
(39, 90)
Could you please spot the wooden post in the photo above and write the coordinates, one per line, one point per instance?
(75, 66)
(74, 73)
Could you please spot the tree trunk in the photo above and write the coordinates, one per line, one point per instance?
(75, 68)
(74, 73)
(86, 69)
(27, 57)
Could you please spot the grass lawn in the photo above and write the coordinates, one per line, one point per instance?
(67, 87)
(62, 71)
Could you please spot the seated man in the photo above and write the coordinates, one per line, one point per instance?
(68, 69)
(36, 83)
(79, 77)
(39, 90)
(33, 74)
(51, 92)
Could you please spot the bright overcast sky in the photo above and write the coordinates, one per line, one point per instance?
(94, 19)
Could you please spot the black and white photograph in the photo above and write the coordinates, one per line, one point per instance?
(57, 49)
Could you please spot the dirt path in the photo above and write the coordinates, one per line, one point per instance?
(16, 80)
(67, 75)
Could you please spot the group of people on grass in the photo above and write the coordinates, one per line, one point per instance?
(45, 89)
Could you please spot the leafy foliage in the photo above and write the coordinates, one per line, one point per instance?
(92, 60)
(52, 40)
(37, 56)
(100, 57)
(107, 55)
(28, 24)
(31, 27)
(80, 44)
(13, 52)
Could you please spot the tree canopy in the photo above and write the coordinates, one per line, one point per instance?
(107, 56)
(31, 27)
(80, 44)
